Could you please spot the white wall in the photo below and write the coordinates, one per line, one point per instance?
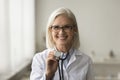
(17, 35)
(22, 26)
(98, 22)
(4, 37)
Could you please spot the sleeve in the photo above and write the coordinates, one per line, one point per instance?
(38, 68)
(90, 73)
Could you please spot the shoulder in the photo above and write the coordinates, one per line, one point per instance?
(83, 56)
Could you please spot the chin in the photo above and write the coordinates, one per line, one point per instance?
(62, 43)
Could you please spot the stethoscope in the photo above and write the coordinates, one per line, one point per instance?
(60, 58)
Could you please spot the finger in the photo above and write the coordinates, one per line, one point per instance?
(51, 55)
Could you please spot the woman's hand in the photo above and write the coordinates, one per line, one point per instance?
(52, 64)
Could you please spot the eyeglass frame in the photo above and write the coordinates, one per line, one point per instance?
(66, 28)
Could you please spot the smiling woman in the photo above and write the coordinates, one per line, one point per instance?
(63, 39)
(63, 36)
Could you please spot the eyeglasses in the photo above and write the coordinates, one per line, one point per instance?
(66, 28)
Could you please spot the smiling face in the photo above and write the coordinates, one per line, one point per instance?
(63, 36)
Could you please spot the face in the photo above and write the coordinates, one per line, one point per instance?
(62, 31)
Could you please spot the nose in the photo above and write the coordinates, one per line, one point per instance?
(62, 30)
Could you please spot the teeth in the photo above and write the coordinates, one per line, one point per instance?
(62, 37)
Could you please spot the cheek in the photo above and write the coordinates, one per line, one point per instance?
(71, 35)
(53, 35)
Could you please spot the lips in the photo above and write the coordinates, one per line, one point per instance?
(62, 37)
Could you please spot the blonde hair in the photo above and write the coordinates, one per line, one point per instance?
(68, 13)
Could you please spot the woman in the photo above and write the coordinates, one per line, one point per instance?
(62, 59)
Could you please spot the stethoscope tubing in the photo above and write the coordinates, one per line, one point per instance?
(61, 74)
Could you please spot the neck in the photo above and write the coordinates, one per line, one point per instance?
(63, 48)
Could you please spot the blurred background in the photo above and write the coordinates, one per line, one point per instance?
(22, 34)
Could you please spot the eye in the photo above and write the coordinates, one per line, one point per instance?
(68, 27)
(55, 27)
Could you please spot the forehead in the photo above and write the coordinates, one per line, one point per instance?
(62, 20)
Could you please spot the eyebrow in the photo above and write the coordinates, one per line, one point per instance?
(63, 25)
